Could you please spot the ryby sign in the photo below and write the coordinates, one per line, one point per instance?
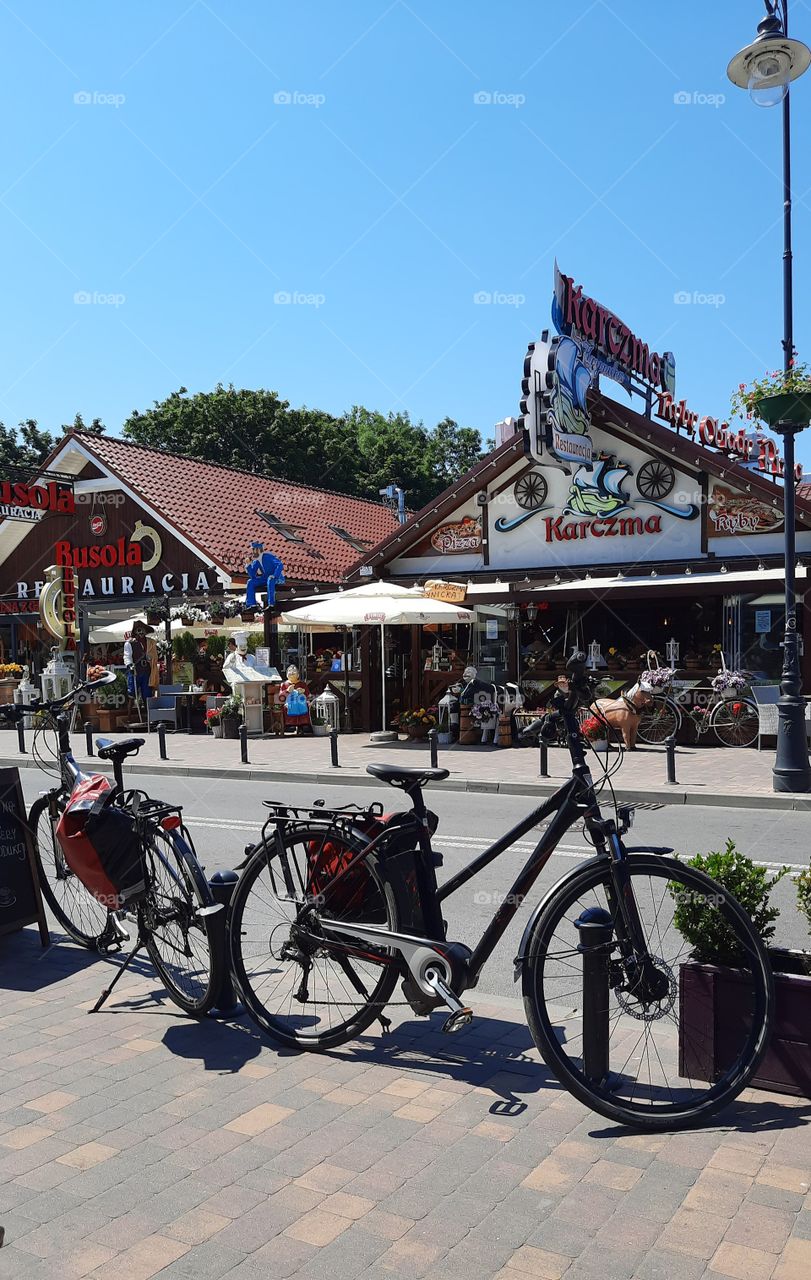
(713, 434)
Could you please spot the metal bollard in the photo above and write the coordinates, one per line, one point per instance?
(243, 743)
(433, 741)
(88, 737)
(543, 760)
(333, 747)
(595, 929)
(222, 885)
(670, 759)
(162, 740)
(21, 737)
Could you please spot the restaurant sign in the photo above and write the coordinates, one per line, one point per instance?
(20, 499)
(559, 372)
(459, 537)
(449, 592)
(740, 513)
(742, 445)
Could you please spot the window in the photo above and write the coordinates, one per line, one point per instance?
(357, 544)
(290, 532)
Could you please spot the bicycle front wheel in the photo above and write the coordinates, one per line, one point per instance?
(81, 915)
(639, 1039)
(185, 943)
(303, 990)
(660, 720)
(735, 722)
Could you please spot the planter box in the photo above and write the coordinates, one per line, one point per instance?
(785, 406)
(712, 996)
(7, 688)
(230, 726)
(321, 730)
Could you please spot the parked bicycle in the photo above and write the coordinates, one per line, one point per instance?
(173, 913)
(727, 713)
(335, 907)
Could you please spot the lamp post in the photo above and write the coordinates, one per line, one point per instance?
(766, 67)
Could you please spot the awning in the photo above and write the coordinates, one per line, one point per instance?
(660, 582)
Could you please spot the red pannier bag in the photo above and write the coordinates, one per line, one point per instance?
(101, 845)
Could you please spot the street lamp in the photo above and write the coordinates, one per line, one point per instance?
(766, 67)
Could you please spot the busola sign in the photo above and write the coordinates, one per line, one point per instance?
(22, 499)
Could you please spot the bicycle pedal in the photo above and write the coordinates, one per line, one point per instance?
(458, 1020)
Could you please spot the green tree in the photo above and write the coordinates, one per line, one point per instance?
(96, 428)
(27, 447)
(358, 453)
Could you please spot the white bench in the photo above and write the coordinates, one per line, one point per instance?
(766, 697)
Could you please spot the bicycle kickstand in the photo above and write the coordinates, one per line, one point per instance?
(107, 992)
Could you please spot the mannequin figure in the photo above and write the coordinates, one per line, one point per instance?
(293, 690)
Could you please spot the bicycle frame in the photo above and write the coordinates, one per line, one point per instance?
(574, 799)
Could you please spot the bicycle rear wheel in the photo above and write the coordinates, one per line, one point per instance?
(660, 720)
(185, 943)
(666, 1060)
(735, 722)
(81, 915)
(301, 989)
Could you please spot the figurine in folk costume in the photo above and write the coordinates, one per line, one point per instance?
(293, 694)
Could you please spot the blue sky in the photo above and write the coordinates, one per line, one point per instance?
(221, 154)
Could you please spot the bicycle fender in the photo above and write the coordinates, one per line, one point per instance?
(519, 959)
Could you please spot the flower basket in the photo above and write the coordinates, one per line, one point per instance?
(247, 615)
(154, 617)
(417, 731)
(216, 730)
(785, 406)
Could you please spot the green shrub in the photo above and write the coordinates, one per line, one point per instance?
(703, 925)
(804, 895)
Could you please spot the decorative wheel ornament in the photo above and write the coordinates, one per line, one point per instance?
(530, 491)
(655, 480)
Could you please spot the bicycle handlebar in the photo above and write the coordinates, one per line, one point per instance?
(14, 711)
(580, 693)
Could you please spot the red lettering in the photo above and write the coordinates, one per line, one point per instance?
(62, 551)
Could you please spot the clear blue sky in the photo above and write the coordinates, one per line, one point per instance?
(383, 195)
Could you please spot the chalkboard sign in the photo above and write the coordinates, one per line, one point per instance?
(20, 899)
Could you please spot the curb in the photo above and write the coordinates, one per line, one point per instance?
(546, 787)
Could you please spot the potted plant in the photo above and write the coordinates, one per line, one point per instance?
(10, 673)
(779, 396)
(417, 723)
(214, 721)
(246, 613)
(110, 701)
(484, 715)
(595, 730)
(320, 724)
(707, 978)
(156, 611)
(231, 711)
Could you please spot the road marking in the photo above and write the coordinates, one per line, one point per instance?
(475, 844)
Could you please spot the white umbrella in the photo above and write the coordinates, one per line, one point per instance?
(115, 632)
(385, 603)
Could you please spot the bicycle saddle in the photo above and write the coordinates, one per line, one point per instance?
(405, 777)
(109, 750)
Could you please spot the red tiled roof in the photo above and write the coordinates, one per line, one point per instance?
(215, 507)
(803, 491)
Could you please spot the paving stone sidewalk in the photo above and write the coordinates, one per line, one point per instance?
(706, 775)
(138, 1142)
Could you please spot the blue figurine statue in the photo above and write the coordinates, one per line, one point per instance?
(265, 572)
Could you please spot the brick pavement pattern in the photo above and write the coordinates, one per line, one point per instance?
(140, 1143)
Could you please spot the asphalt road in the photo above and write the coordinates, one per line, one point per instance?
(225, 817)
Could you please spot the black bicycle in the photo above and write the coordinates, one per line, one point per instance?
(173, 918)
(335, 907)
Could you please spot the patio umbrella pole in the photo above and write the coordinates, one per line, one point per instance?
(383, 672)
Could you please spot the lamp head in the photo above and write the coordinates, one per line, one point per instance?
(767, 66)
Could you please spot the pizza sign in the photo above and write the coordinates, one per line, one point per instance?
(459, 537)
